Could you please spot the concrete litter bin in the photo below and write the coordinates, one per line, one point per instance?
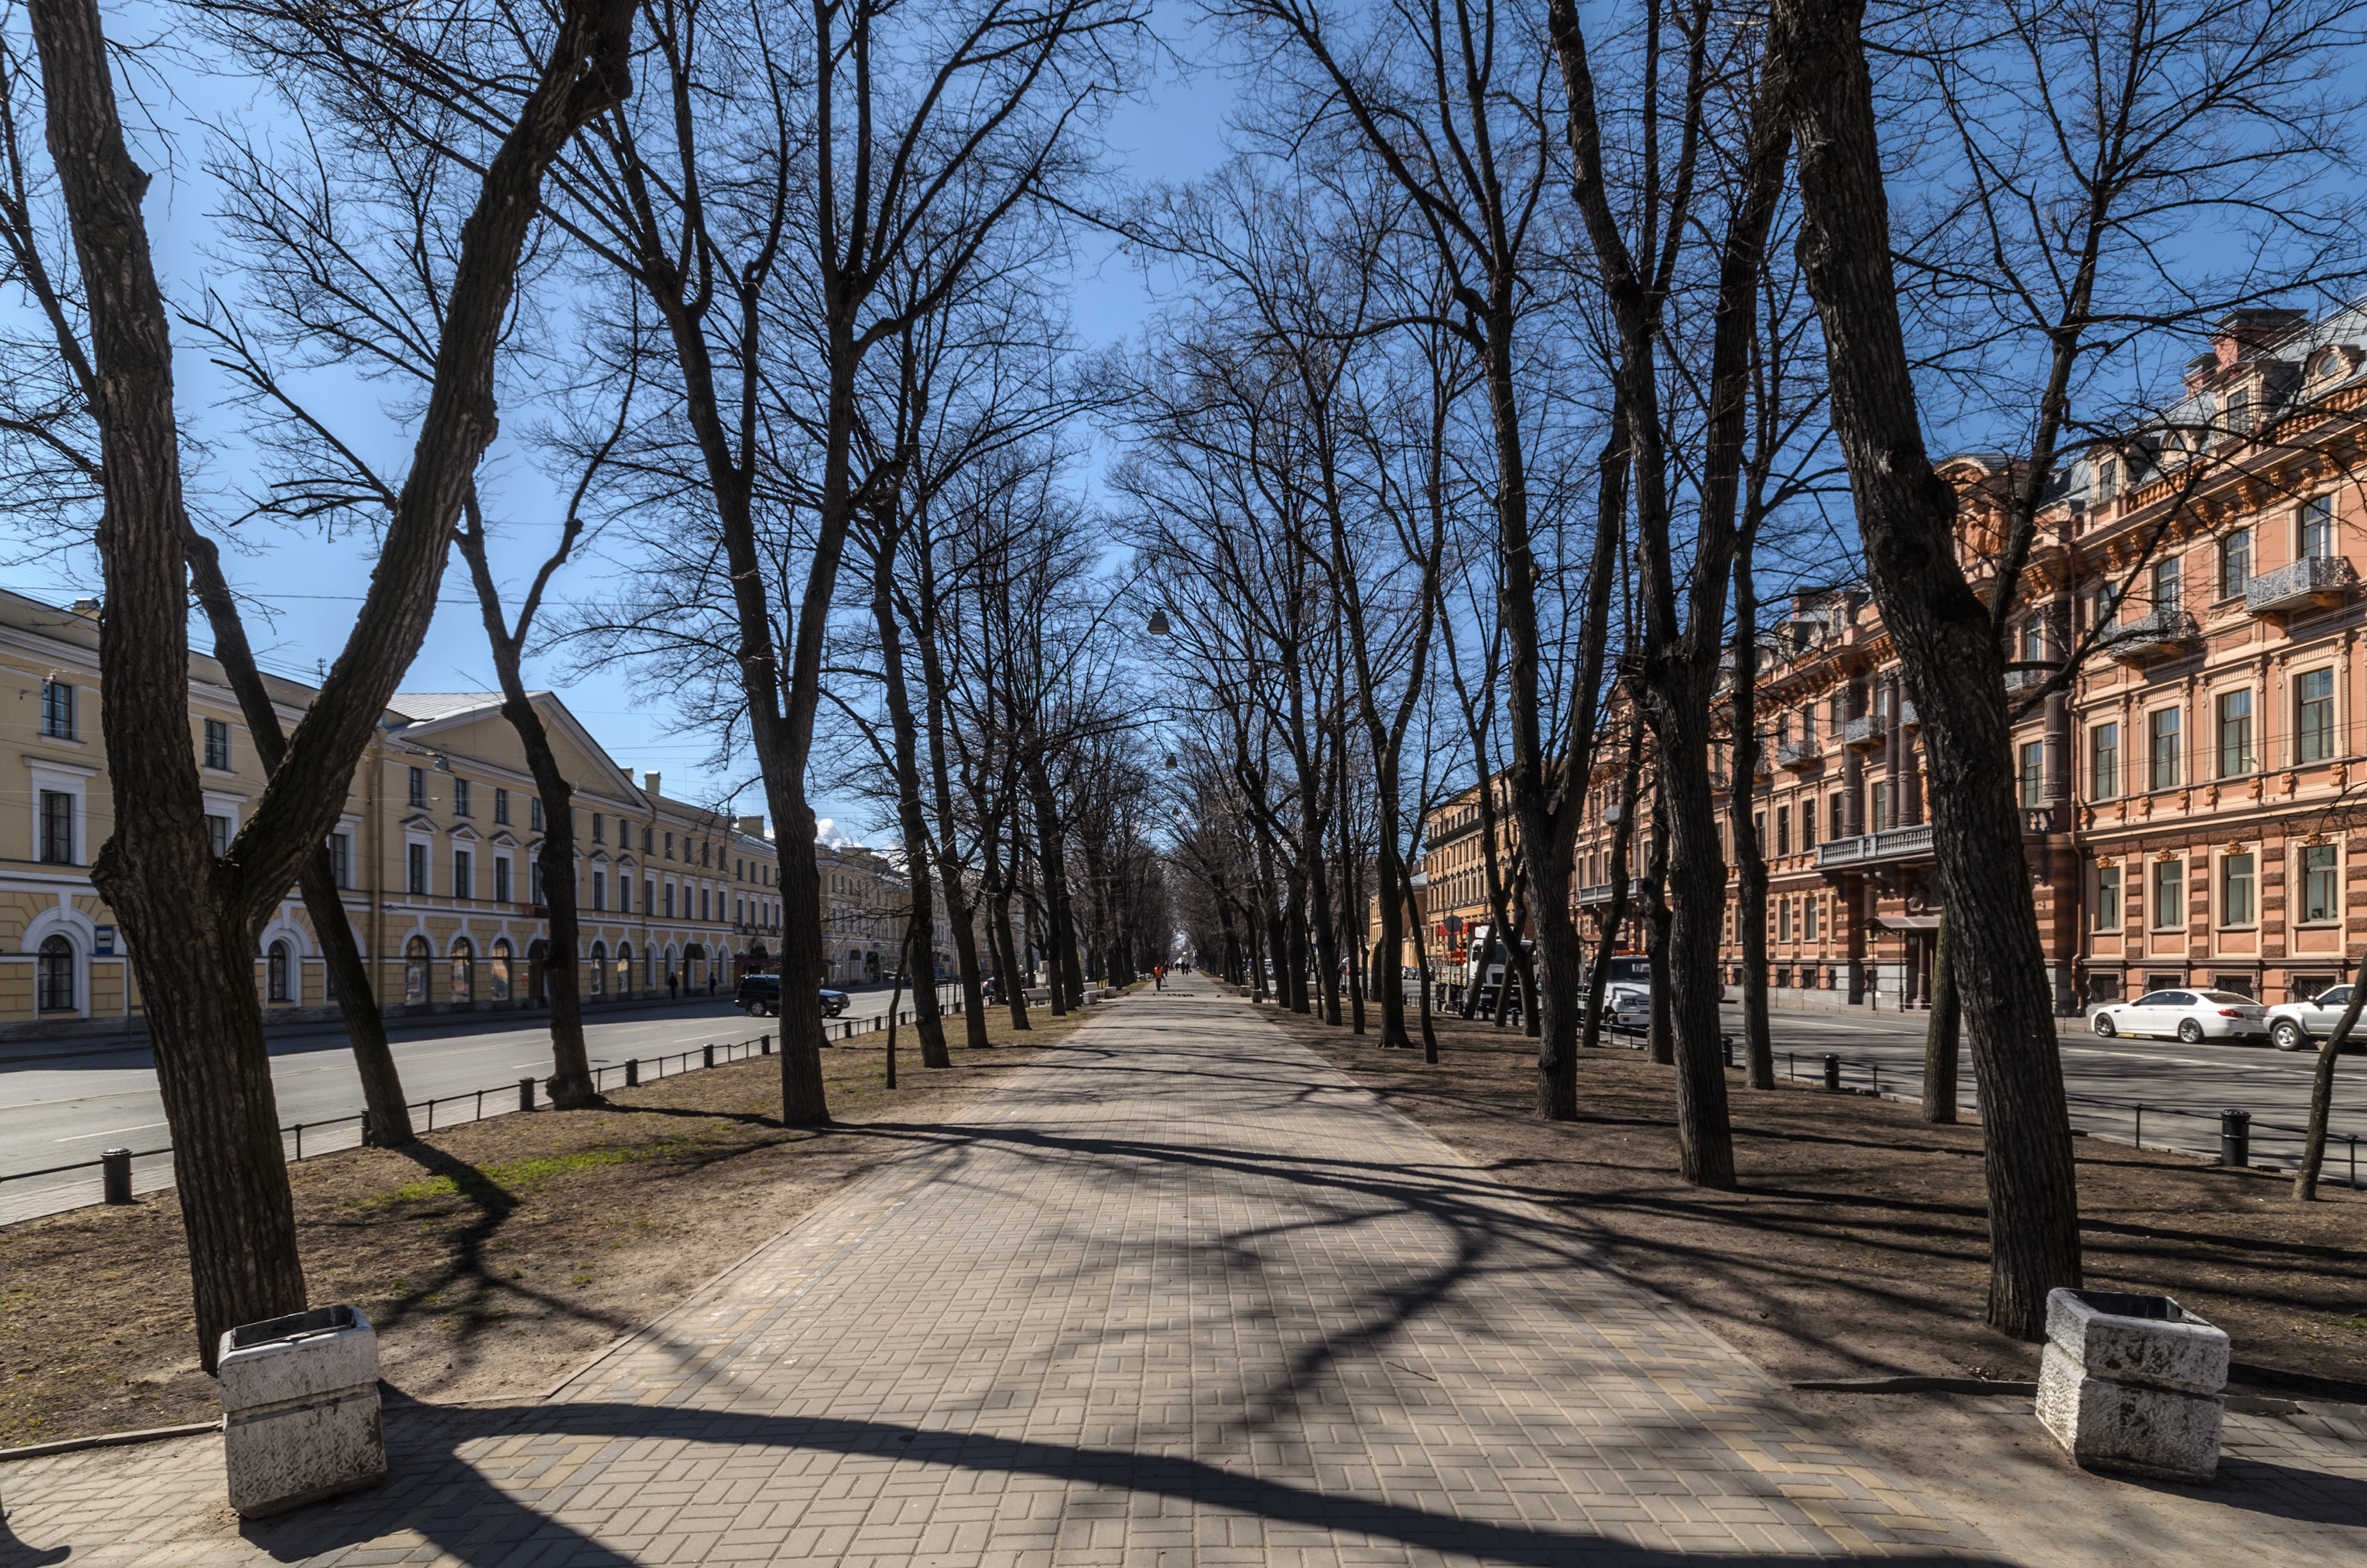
(2132, 1383)
(301, 1410)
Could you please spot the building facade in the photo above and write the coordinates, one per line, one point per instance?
(436, 853)
(2187, 805)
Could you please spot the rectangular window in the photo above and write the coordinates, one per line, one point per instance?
(599, 828)
(2107, 607)
(341, 860)
(464, 881)
(2104, 761)
(1783, 830)
(1808, 825)
(218, 745)
(1878, 814)
(1784, 920)
(1836, 827)
(2169, 583)
(2235, 562)
(460, 802)
(2161, 748)
(668, 901)
(648, 896)
(2318, 528)
(2314, 716)
(2321, 898)
(416, 859)
(2169, 896)
(2234, 734)
(2235, 906)
(57, 710)
(416, 793)
(624, 894)
(501, 879)
(669, 849)
(218, 834)
(2032, 780)
(2034, 637)
(57, 827)
(502, 807)
(2107, 898)
(599, 889)
(534, 880)
(1811, 913)
(533, 814)
(705, 905)
(2108, 479)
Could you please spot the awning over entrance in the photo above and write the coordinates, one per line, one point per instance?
(1906, 922)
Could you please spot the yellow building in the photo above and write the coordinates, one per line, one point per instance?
(435, 851)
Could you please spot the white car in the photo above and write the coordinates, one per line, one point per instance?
(2299, 1026)
(2191, 1015)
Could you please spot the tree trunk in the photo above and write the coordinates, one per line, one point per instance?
(918, 856)
(1949, 647)
(1657, 922)
(1940, 1036)
(189, 918)
(347, 975)
(1614, 917)
(1750, 855)
(2321, 1095)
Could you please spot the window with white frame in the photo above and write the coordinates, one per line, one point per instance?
(57, 828)
(2321, 884)
(2107, 902)
(57, 711)
(2169, 896)
(2238, 905)
(218, 745)
(415, 869)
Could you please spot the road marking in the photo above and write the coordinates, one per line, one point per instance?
(110, 1133)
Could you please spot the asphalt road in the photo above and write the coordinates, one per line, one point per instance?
(63, 1101)
(2182, 1087)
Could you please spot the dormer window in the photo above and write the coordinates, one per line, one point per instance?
(2108, 479)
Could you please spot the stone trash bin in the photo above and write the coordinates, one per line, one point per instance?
(300, 1410)
(2132, 1383)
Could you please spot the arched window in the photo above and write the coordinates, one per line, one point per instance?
(694, 965)
(415, 961)
(501, 969)
(276, 967)
(624, 968)
(54, 976)
(464, 971)
(599, 968)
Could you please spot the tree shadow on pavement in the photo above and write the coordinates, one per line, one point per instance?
(440, 1495)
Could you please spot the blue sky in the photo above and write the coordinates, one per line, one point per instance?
(311, 587)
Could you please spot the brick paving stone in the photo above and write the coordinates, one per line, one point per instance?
(1178, 1294)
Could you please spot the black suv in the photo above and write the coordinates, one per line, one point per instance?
(760, 997)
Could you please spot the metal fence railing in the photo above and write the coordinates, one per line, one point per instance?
(151, 1170)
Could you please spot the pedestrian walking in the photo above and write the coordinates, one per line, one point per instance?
(673, 986)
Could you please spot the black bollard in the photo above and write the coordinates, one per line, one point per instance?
(1832, 1072)
(525, 1094)
(1726, 1043)
(2235, 1138)
(709, 1060)
(633, 1073)
(763, 1045)
(115, 1175)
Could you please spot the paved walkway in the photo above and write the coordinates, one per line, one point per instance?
(1179, 1295)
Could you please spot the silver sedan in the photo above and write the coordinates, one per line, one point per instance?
(2191, 1015)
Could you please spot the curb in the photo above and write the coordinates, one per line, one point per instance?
(108, 1440)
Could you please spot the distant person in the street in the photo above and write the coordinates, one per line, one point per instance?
(710, 982)
(673, 986)
(1158, 977)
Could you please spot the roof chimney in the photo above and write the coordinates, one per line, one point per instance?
(2238, 335)
(86, 608)
(752, 826)
(649, 782)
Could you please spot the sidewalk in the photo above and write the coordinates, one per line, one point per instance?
(1179, 1295)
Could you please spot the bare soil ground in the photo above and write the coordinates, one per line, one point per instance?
(1858, 1246)
(492, 1258)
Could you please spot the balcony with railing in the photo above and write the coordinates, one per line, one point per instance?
(1876, 849)
(1796, 754)
(1864, 734)
(2163, 634)
(2309, 583)
(1599, 893)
